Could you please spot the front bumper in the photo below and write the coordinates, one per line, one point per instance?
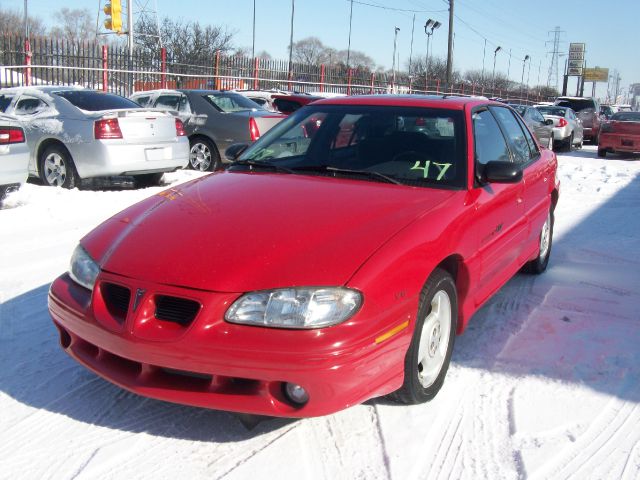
(102, 158)
(215, 364)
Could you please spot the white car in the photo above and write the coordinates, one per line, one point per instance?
(567, 127)
(77, 133)
(14, 155)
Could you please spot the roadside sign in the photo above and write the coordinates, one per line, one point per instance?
(576, 58)
(576, 47)
(575, 72)
(596, 74)
(576, 63)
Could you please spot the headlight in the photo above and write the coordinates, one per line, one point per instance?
(295, 307)
(84, 270)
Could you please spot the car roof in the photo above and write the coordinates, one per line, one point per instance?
(433, 101)
(42, 89)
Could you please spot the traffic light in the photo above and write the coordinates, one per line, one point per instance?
(114, 16)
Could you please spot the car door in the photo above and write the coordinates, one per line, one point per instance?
(537, 175)
(499, 222)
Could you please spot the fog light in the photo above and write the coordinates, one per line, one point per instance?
(296, 394)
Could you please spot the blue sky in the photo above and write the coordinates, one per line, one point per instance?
(609, 29)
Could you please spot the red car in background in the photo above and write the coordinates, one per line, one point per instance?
(323, 269)
(620, 134)
(288, 104)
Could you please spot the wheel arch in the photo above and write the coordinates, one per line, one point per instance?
(456, 267)
(46, 143)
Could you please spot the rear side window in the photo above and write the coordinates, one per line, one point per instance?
(29, 106)
(490, 144)
(626, 117)
(173, 102)
(93, 101)
(5, 101)
(231, 102)
(142, 100)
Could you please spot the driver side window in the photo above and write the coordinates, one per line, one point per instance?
(488, 138)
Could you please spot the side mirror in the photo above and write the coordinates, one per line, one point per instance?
(501, 172)
(548, 121)
(234, 151)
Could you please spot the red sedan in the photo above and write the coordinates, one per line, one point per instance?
(321, 270)
(620, 134)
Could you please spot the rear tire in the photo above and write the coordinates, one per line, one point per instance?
(550, 145)
(148, 180)
(602, 153)
(539, 264)
(429, 353)
(57, 168)
(203, 155)
(569, 145)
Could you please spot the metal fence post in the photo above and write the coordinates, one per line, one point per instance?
(105, 66)
(349, 79)
(322, 72)
(373, 80)
(217, 67)
(163, 67)
(27, 62)
(256, 70)
(438, 86)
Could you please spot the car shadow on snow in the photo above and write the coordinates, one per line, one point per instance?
(39, 374)
(579, 322)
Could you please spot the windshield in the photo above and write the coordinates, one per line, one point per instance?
(413, 146)
(231, 102)
(559, 112)
(93, 101)
(626, 117)
(577, 104)
(5, 101)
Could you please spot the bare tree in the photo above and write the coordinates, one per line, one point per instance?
(12, 23)
(187, 43)
(74, 24)
(310, 51)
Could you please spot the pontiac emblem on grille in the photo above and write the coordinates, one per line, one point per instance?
(139, 295)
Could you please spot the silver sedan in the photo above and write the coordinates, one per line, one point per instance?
(14, 155)
(76, 133)
(568, 131)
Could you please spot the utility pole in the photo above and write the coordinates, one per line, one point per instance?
(349, 44)
(130, 27)
(450, 46)
(253, 44)
(484, 54)
(293, 9)
(509, 66)
(493, 76)
(26, 21)
(393, 68)
(413, 28)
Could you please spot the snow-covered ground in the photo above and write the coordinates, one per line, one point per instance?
(545, 383)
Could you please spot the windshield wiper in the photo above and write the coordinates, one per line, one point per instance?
(366, 173)
(254, 164)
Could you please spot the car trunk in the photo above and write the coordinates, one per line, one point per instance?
(146, 126)
(555, 118)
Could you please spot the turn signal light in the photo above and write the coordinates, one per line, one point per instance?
(107, 128)
(11, 135)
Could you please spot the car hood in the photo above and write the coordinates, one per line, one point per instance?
(237, 232)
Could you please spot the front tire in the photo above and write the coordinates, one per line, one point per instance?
(429, 354)
(539, 264)
(57, 168)
(203, 155)
(602, 152)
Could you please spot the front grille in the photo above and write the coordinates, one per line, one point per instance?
(116, 299)
(177, 310)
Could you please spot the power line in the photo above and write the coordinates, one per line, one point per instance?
(395, 9)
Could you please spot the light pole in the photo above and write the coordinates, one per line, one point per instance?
(349, 44)
(429, 27)
(526, 57)
(493, 76)
(393, 68)
(293, 9)
(253, 43)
